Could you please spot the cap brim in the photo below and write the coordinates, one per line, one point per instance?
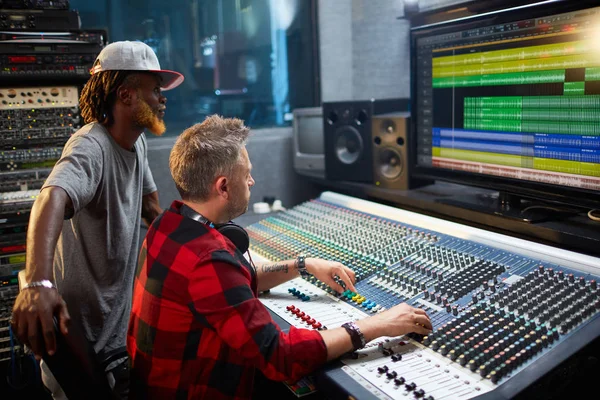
(169, 79)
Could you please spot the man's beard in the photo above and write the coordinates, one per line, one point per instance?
(237, 208)
(144, 116)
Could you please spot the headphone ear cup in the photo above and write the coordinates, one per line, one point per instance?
(237, 235)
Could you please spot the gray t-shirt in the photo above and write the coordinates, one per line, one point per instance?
(96, 254)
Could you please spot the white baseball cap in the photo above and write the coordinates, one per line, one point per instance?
(134, 56)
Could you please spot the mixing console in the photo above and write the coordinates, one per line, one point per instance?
(498, 304)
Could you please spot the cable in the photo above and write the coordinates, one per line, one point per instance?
(555, 209)
(594, 215)
(12, 356)
(24, 376)
(252, 262)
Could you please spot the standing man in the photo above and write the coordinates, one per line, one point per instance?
(84, 227)
(198, 329)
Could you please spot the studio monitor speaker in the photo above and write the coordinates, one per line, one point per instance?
(390, 162)
(347, 129)
(390, 137)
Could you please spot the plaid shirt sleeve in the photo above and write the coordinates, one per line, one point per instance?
(223, 298)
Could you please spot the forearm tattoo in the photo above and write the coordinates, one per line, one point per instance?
(275, 268)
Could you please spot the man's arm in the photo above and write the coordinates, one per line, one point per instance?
(150, 207)
(36, 306)
(398, 320)
(245, 325)
(270, 275)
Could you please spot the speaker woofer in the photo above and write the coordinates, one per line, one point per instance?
(390, 163)
(348, 145)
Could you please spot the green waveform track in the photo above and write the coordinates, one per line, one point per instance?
(592, 74)
(569, 115)
(534, 114)
(592, 101)
(565, 128)
(519, 78)
(574, 88)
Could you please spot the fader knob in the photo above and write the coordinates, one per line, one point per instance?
(411, 386)
(399, 381)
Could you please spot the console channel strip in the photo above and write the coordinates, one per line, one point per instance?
(498, 304)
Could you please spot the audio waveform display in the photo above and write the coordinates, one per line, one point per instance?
(566, 161)
(592, 74)
(524, 53)
(541, 64)
(559, 102)
(522, 95)
(548, 176)
(577, 141)
(517, 78)
(534, 114)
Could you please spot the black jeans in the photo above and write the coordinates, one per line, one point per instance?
(121, 376)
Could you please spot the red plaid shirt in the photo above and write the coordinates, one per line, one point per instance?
(197, 328)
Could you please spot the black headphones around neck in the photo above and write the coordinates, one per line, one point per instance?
(235, 233)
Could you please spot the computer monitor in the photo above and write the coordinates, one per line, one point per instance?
(309, 143)
(509, 99)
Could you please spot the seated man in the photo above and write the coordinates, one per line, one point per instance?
(197, 328)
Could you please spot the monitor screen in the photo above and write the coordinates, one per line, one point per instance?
(511, 99)
(309, 142)
(310, 138)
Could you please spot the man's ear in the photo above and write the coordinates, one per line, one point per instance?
(222, 186)
(125, 94)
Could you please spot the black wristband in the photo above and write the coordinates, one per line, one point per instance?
(356, 336)
(301, 265)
